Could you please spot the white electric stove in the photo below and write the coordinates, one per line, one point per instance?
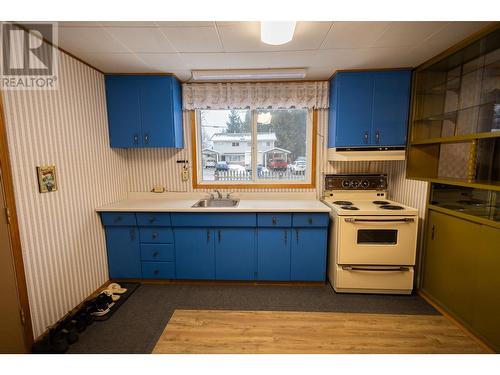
(372, 242)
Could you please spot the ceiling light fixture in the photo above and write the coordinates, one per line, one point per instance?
(276, 32)
(248, 74)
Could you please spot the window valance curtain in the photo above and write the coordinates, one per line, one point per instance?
(255, 95)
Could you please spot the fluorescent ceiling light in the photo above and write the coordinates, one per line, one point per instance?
(248, 74)
(276, 33)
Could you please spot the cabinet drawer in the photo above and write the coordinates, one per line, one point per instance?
(214, 220)
(118, 219)
(153, 219)
(157, 252)
(156, 235)
(274, 220)
(310, 220)
(158, 270)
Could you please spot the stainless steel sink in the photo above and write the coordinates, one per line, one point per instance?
(216, 203)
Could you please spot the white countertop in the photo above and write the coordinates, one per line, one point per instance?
(183, 202)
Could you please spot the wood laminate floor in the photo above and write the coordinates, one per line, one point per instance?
(216, 331)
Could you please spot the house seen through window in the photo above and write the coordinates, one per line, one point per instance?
(232, 144)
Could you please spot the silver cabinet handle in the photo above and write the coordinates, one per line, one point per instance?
(208, 236)
(156, 253)
(274, 220)
(405, 220)
(218, 233)
(132, 234)
(136, 139)
(146, 139)
(433, 230)
(365, 137)
(297, 235)
(118, 219)
(286, 236)
(154, 235)
(396, 269)
(152, 220)
(377, 136)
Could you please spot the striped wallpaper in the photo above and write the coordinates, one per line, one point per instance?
(62, 238)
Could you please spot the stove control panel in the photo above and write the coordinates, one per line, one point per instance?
(356, 182)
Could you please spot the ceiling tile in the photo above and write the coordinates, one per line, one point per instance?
(184, 23)
(165, 62)
(354, 34)
(407, 34)
(193, 39)
(449, 35)
(89, 39)
(142, 39)
(78, 24)
(128, 23)
(116, 62)
(245, 37)
(251, 60)
(363, 58)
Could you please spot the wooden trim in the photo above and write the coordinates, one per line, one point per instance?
(452, 319)
(17, 253)
(220, 282)
(367, 70)
(458, 46)
(467, 217)
(311, 185)
(457, 138)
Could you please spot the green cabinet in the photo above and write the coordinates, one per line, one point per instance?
(461, 264)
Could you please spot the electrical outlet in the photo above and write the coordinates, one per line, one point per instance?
(185, 174)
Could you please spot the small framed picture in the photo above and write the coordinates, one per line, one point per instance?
(47, 181)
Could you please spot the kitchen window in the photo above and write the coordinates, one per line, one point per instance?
(275, 143)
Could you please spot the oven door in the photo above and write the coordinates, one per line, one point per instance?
(382, 240)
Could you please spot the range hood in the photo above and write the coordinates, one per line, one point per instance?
(365, 153)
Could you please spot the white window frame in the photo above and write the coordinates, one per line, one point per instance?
(307, 182)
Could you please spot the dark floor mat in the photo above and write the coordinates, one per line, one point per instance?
(131, 288)
(137, 325)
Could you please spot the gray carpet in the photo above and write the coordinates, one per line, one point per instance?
(138, 324)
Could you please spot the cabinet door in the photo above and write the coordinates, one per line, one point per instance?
(273, 254)
(194, 253)
(124, 257)
(487, 290)
(354, 110)
(391, 100)
(157, 111)
(450, 262)
(308, 262)
(124, 111)
(235, 254)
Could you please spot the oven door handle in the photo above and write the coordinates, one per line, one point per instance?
(405, 220)
(396, 269)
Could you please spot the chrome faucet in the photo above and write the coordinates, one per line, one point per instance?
(219, 194)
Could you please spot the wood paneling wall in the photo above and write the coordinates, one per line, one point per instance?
(61, 235)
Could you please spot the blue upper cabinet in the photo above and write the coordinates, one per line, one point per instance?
(144, 111)
(369, 109)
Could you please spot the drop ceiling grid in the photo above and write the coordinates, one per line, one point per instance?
(320, 47)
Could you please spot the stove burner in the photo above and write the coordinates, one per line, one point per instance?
(343, 203)
(380, 202)
(349, 208)
(391, 207)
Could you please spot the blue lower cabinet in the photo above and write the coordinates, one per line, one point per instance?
(194, 253)
(123, 252)
(156, 235)
(273, 254)
(235, 254)
(158, 270)
(157, 252)
(308, 255)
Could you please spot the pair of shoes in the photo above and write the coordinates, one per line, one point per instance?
(116, 290)
(55, 342)
(102, 304)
